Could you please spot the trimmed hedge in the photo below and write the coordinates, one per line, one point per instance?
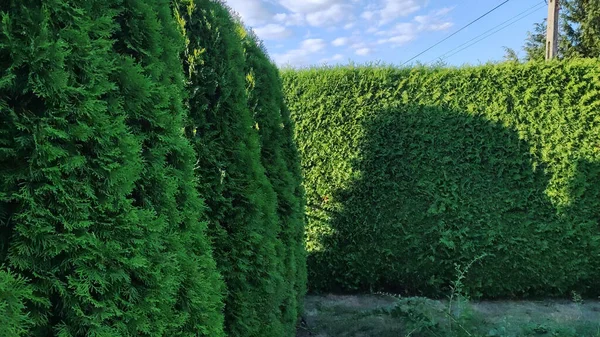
(250, 180)
(98, 206)
(116, 118)
(280, 158)
(412, 172)
(152, 78)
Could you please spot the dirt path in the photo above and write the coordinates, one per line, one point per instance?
(386, 316)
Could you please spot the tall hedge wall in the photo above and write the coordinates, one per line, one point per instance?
(151, 75)
(99, 213)
(148, 185)
(280, 158)
(411, 172)
(248, 179)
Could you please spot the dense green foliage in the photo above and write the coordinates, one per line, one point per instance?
(410, 172)
(579, 35)
(98, 205)
(250, 180)
(581, 26)
(152, 78)
(280, 159)
(13, 293)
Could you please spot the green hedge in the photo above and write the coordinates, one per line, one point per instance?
(98, 206)
(14, 321)
(280, 158)
(250, 184)
(412, 172)
(190, 298)
(135, 145)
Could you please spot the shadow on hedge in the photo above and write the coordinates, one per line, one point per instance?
(439, 188)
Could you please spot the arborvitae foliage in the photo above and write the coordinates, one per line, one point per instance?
(410, 172)
(151, 76)
(280, 158)
(14, 321)
(67, 164)
(242, 206)
(97, 201)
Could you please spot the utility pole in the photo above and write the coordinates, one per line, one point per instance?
(552, 31)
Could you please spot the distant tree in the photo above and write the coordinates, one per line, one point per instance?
(579, 32)
(536, 42)
(510, 55)
(439, 63)
(581, 27)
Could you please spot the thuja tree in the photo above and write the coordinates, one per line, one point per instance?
(96, 205)
(149, 45)
(241, 202)
(13, 293)
(66, 164)
(280, 158)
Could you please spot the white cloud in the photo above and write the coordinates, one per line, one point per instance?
(340, 41)
(273, 31)
(290, 19)
(314, 45)
(435, 14)
(253, 12)
(363, 27)
(334, 59)
(398, 8)
(301, 56)
(440, 26)
(403, 28)
(308, 6)
(362, 48)
(363, 51)
(390, 10)
(435, 21)
(398, 40)
(333, 15)
(358, 45)
(316, 13)
(349, 25)
(404, 32)
(368, 15)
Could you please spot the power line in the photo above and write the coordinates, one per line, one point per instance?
(458, 31)
(516, 18)
(491, 31)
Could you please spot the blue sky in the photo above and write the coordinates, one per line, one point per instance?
(311, 32)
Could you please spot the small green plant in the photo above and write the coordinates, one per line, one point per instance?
(425, 317)
(576, 297)
(420, 316)
(458, 310)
